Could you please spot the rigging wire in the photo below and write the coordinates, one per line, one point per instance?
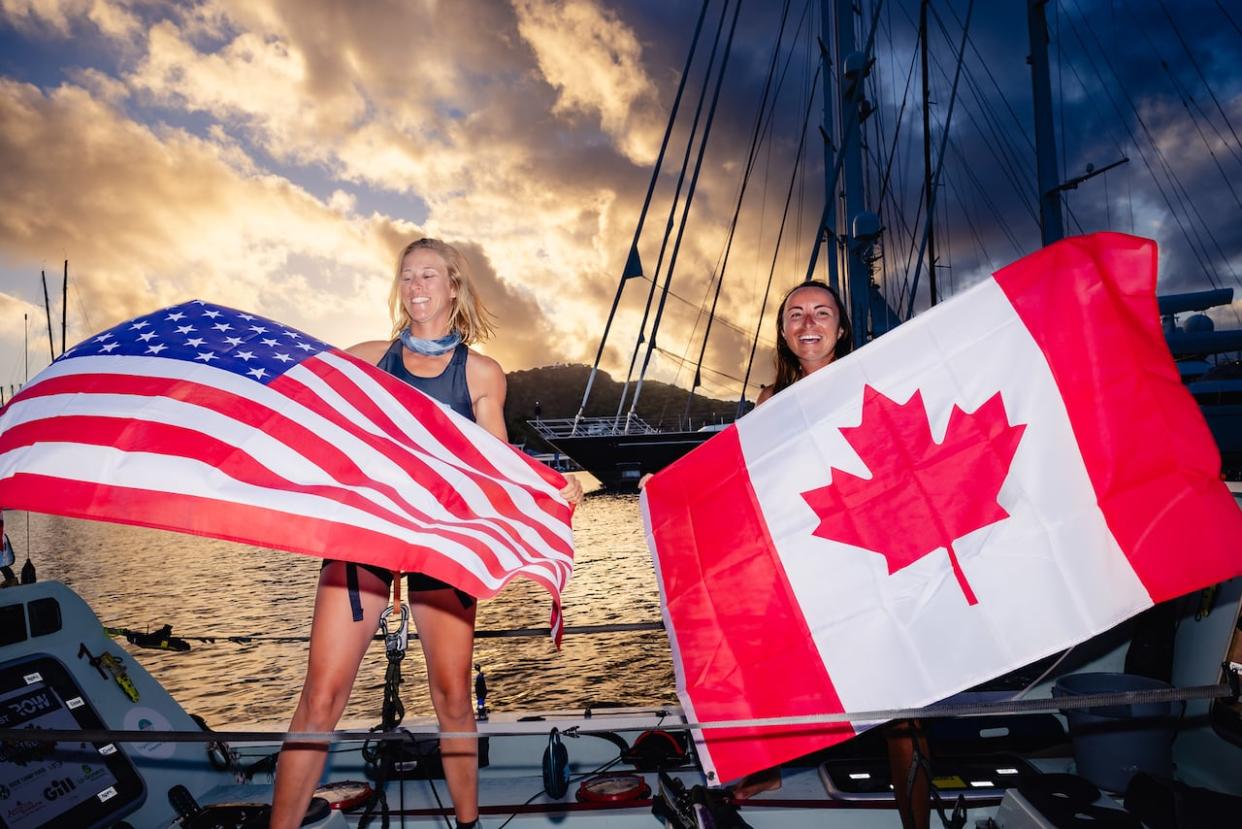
(993, 209)
(1200, 257)
(776, 253)
(692, 304)
(1186, 100)
(764, 120)
(851, 129)
(1017, 166)
(879, 131)
(642, 216)
(1232, 22)
(1179, 187)
(520, 729)
(694, 180)
(722, 259)
(1021, 128)
(994, 138)
(948, 119)
(905, 96)
(507, 633)
(1199, 71)
(956, 192)
(672, 211)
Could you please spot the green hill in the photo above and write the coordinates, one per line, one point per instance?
(558, 390)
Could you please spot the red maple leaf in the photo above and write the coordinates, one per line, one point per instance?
(921, 495)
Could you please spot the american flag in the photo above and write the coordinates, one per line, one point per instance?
(206, 420)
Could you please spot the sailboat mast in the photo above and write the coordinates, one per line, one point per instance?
(1051, 223)
(928, 201)
(853, 67)
(829, 225)
(47, 310)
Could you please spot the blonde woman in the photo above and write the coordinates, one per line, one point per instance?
(437, 313)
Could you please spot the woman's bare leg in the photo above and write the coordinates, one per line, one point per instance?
(337, 644)
(446, 631)
(913, 803)
(752, 784)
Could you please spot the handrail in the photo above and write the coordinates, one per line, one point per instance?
(517, 729)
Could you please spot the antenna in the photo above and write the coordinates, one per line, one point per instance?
(64, 307)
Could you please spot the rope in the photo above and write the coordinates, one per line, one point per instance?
(511, 633)
(517, 729)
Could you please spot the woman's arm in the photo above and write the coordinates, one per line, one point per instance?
(370, 351)
(486, 381)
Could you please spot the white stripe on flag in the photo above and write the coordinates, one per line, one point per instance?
(184, 476)
(432, 452)
(272, 454)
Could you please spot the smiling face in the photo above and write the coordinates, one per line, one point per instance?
(427, 292)
(810, 325)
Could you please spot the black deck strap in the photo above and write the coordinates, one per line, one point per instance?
(381, 758)
(351, 584)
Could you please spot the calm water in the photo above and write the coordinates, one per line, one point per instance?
(136, 578)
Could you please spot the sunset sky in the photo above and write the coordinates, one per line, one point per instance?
(272, 155)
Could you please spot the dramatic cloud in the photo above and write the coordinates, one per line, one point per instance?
(275, 153)
(154, 218)
(595, 63)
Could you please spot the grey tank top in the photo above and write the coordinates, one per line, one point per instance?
(448, 387)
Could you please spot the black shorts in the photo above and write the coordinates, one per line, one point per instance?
(414, 582)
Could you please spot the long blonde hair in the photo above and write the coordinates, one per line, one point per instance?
(468, 316)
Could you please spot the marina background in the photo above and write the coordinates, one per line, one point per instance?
(135, 577)
(272, 155)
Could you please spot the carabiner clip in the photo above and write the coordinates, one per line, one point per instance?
(395, 640)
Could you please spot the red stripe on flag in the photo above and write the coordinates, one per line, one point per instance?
(229, 521)
(162, 439)
(1090, 305)
(446, 431)
(322, 452)
(768, 665)
(424, 408)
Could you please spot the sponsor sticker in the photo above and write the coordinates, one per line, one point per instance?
(142, 718)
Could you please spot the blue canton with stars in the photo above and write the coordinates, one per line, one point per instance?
(199, 332)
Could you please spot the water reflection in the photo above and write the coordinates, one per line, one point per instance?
(136, 578)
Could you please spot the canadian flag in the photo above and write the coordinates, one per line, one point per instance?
(1009, 474)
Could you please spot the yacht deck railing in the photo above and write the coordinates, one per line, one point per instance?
(552, 428)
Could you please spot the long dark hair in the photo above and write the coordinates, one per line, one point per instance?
(788, 369)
